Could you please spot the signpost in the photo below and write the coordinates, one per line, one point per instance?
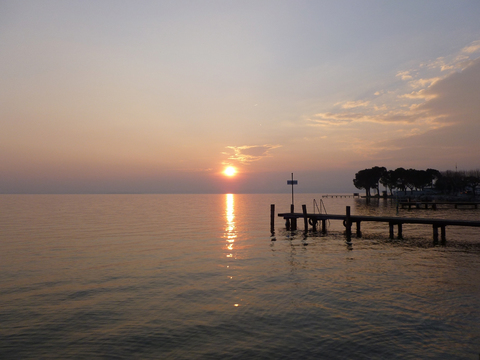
(292, 182)
(292, 224)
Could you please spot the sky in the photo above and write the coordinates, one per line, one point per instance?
(119, 96)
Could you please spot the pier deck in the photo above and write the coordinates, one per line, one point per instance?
(433, 204)
(348, 220)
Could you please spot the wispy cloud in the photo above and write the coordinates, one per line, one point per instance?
(439, 120)
(421, 94)
(404, 75)
(402, 105)
(250, 153)
(422, 83)
(353, 104)
(472, 48)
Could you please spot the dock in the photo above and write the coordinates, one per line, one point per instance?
(354, 195)
(315, 220)
(433, 204)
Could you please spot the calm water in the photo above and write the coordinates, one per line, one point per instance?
(199, 277)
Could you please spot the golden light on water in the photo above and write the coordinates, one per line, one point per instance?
(230, 229)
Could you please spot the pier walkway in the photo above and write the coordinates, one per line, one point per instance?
(433, 204)
(348, 220)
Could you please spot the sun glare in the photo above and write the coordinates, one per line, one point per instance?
(230, 171)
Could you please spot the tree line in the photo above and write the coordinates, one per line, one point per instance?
(446, 182)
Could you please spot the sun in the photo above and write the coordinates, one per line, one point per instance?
(230, 171)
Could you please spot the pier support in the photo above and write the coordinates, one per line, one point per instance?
(348, 225)
(435, 234)
(359, 232)
(272, 218)
(293, 220)
(390, 228)
(324, 226)
(400, 233)
(305, 218)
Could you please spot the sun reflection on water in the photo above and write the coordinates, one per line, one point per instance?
(230, 229)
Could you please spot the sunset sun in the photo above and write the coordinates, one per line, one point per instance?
(230, 171)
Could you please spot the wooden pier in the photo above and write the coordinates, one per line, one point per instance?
(357, 195)
(433, 204)
(348, 220)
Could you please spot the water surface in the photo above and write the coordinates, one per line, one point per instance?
(199, 277)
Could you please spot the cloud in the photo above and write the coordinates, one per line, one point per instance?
(247, 154)
(451, 114)
(437, 123)
(345, 118)
(405, 75)
(424, 82)
(456, 97)
(354, 104)
(421, 94)
(472, 48)
(457, 61)
(441, 102)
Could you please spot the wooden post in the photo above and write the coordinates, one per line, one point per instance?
(272, 218)
(435, 234)
(359, 232)
(293, 221)
(305, 219)
(390, 228)
(348, 225)
(324, 226)
(400, 235)
(442, 232)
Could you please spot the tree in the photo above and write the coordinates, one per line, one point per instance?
(389, 180)
(399, 176)
(377, 172)
(369, 179)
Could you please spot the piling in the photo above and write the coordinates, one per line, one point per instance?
(293, 220)
(359, 231)
(348, 225)
(272, 218)
(305, 218)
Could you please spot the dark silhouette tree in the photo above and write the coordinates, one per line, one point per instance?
(389, 180)
(377, 172)
(369, 179)
(399, 176)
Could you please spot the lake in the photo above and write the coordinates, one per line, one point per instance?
(202, 277)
